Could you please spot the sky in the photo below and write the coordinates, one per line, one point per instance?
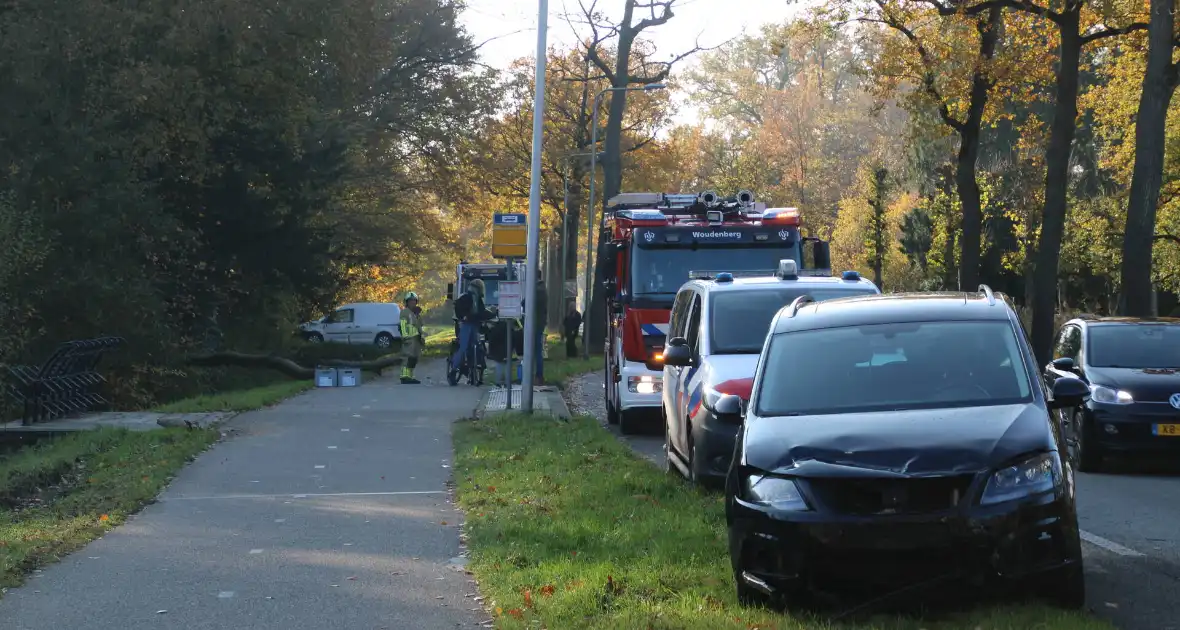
(512, 27)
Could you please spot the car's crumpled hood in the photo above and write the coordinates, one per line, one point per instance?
(896, 443)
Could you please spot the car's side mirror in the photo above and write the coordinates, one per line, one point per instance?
(678, 353)
(1069, 392)
(655, 362)
(729, 407)
(1064, 364)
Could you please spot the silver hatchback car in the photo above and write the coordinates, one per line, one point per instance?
(715, 334)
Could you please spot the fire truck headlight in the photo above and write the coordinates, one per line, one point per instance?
(644, 384)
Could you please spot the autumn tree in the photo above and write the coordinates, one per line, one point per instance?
(1159, 83)
(792, 108)
(878, 241)
(1077, 23)
(956, 80)
(620, 36)
(218, 164)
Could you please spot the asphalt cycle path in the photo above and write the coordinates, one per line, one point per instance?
(330, 510)
(1130, 520)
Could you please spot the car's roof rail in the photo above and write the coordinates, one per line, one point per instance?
(987, 293)
(799, 302)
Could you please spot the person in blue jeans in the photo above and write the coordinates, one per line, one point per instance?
(541, 317)
(471, 313)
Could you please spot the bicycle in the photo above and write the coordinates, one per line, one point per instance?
(474, 361)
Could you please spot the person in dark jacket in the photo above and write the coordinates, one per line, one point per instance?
(470, 313)
(570, 325)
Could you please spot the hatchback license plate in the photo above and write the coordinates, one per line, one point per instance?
(1166, 430)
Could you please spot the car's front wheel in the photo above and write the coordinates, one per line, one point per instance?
(384, 341)
(629, 421)
(314, 338)
(669, 466)
(1087, 456)
(1065, 587)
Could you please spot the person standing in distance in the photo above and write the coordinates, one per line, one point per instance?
(412, 341)
(571, 323)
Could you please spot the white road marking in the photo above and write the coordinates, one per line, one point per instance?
(255, 551)
(1109, 545)
(304, 496)
(332, 447)
(320, 466)
(225, 594)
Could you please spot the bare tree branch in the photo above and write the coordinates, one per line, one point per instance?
(928, 76)
(1113, 32)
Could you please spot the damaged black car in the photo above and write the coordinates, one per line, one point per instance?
(897, 441)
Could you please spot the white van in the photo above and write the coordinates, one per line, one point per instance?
(357, 324)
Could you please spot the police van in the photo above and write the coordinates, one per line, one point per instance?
(716, 332)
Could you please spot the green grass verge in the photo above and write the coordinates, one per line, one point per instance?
(60, 494)
(569, 529)
(559, 368)
(240, 400)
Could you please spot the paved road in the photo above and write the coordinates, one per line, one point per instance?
(328, 511)
(1130, 519)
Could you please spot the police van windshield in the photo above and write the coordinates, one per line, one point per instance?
(739, 320)
(661, 272)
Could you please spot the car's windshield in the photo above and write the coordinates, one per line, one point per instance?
(892, 366)
(1134, 345)
(740, 319)
(662, 271)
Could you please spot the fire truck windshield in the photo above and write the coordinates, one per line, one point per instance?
(661, 272)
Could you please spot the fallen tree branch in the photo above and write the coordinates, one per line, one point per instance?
(285, 365)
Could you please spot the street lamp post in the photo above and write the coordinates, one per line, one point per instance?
(591, 210)
(531, 348)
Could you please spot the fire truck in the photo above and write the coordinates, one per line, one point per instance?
(651, 244)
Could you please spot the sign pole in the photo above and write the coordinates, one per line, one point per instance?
(508, 353)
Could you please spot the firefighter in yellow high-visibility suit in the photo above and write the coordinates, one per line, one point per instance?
(412, 341)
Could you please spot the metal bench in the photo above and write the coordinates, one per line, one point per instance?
(66, 383)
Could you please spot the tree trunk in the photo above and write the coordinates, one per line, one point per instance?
(1159, 82)
(966, 181)
(612, 159)
(1061, 133)
(612, 176)
(571, 251)
(553, 282)
(287, 366)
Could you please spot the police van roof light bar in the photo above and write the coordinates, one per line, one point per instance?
(787, 270)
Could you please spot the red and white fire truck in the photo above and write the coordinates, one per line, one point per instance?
(651, 244)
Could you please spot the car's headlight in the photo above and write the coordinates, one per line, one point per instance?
(645, 384)
(775, 492)
(1110, 396)
(1032, 476)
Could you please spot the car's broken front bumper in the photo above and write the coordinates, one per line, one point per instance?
(794, 552)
